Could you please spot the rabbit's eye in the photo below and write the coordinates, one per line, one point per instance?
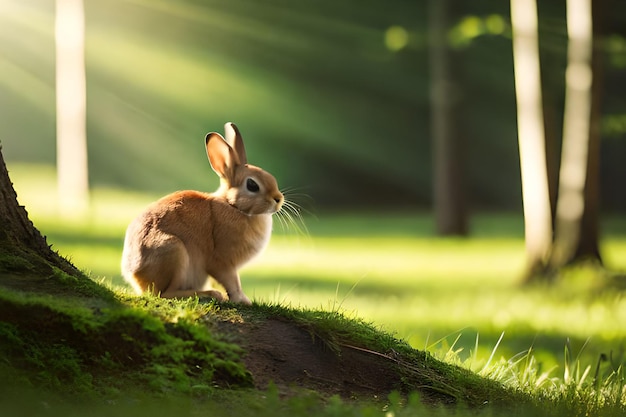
(252, 186)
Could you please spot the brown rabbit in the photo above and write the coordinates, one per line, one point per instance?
(181, 239)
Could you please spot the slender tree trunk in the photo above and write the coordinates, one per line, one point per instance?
(578, 188)
(71, 108)
(588, 245)
(449, 196)
(531, 137)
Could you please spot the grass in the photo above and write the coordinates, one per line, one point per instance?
(459, 299)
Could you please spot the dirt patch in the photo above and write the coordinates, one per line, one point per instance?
(282, 353)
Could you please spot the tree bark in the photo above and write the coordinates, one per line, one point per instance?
(449, 195)
(19, 237)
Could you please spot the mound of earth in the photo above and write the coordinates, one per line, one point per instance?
(284, 354)
(257, 349)
(275, 350)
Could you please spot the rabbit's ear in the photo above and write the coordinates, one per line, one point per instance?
(234, 139)
(221, 155)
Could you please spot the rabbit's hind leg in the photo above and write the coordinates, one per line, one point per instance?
(167, 272)
(163, 269)
(185, 280)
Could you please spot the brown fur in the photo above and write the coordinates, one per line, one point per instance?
(178, 241)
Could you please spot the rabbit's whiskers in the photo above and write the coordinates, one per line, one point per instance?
(290, 216)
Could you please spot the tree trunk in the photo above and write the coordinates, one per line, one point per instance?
(73, 177)
(576, 228)
(588, 245)
(531, 137)
(21, 244)
(449, 197)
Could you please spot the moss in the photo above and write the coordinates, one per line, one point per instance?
(63, 330)
(82, 285)
(10, 263)
(60, 344)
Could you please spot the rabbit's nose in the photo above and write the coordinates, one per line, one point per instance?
(278, 198)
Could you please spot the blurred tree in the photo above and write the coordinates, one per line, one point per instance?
(576, 223)
(588, 245)
(71, 107)
(531, 136)
(449, 191)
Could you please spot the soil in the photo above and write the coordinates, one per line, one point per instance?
(281, 353)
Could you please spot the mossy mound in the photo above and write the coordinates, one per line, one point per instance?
(82, 340)
(73, 337)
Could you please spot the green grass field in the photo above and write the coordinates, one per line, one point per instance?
(454, 297)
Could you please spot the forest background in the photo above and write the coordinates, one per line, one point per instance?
(333, 98)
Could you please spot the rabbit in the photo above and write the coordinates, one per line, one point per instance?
(180, 240)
